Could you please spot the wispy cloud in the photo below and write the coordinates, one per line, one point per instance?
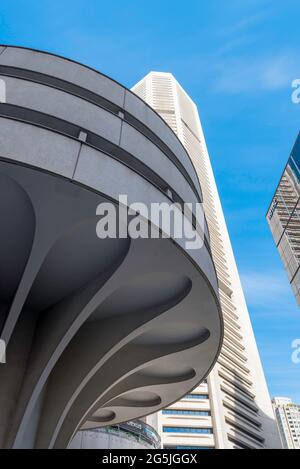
(267, 289)
(246, 29)
(245, 23)
(237, 42)
(248, 74)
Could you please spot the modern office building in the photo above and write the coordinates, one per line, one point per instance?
(288, 419)
(98, 331)
(232, 408)
(284, 218)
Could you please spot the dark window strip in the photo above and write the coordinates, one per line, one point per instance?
(71, 130)
(163, 147)
(249, 433)
(242, 415)
(104, 103)
(239, 443)
(61, 84)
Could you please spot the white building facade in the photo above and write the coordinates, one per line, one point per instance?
(288, 419)
(232, 407)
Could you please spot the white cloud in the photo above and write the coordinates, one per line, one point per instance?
(248, 74)
(246, 23)
(270, 290)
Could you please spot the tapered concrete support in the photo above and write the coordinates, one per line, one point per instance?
(97, 331)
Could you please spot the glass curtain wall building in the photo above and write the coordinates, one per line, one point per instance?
(284, 218)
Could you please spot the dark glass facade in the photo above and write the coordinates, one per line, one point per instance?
(284, 218)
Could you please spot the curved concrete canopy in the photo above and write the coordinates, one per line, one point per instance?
(98, 331)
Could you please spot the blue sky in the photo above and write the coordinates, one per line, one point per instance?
(237, 60)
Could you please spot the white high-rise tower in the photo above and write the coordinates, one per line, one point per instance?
(232, 408)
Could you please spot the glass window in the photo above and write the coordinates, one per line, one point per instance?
(187, 430)
(187, 447)
(196, 396)
(186, 412)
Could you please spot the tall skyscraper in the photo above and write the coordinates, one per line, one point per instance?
(284, 218)
(288, 420)
(232, 408)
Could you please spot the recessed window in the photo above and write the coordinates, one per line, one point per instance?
(205, 413)
(187, 430)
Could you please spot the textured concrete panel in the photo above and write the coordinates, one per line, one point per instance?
(135, 143)
(65, 69)
(99, 171)
(64, 106)
(38, 147)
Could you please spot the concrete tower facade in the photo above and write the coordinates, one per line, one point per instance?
(232, 408)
